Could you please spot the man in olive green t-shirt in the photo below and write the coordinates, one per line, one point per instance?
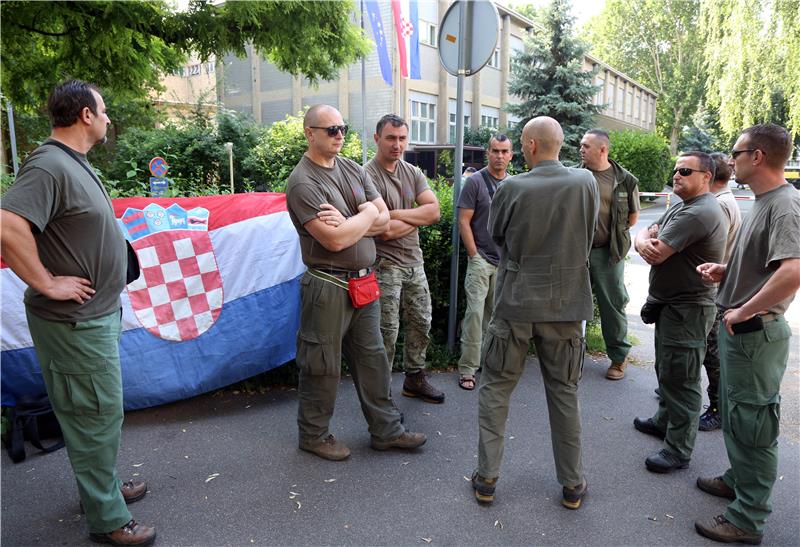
(400, 269)
(336, 211)
(60, 236)
(690, 233)
(757, 285)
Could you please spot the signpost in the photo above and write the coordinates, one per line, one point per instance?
(467, 39)
(158, 184)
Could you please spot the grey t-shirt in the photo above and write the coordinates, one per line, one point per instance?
(399, 190)
(75, 230)
(605, 183)
(346, 185)
(696, 229)
(474, 195)
(770, 233)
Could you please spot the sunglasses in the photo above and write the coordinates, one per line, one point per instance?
(735, 153)
(333, 130)
(686, 171)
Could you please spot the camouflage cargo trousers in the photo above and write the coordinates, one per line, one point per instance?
(405, 289)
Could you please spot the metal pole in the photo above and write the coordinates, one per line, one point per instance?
(12, 136)
(363, 99)
(465, 12)
(229, 148)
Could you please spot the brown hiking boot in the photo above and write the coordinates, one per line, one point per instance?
(328, 448)
(406, 441)
(132, 533)
(721, 529)
(133, 490)
(572, 497)
(416, 385)
(484, 488)
(716, 487)
(616, 371)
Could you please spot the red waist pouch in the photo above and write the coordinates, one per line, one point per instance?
(363, 290)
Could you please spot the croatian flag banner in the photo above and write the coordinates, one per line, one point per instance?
(406, 22)
(217, 301)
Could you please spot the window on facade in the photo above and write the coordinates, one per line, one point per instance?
(494, 60)
(610, 93)
(630, 104)
(427, 33)
(423, 122)
(452, 136)
(621, 99)
(489, 121)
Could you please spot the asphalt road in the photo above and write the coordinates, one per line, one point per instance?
(224, 469)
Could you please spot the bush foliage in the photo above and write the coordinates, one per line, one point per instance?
(646, 155)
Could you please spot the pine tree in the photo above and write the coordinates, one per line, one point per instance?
(549, 80)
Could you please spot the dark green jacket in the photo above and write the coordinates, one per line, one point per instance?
(624, 189)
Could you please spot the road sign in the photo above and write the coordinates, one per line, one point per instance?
(158, 186)
(481, 33)
(158, 167)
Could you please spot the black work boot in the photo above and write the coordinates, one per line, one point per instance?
(416, 385)
(665, 461)
(710, 419)
(484, 488)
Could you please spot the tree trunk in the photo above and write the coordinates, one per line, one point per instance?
(673, 139)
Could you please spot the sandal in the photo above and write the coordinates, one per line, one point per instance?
(467, 382)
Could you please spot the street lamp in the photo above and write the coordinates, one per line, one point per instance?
(229, 148)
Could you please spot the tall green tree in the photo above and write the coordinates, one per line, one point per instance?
(752, 54)
(658, 43)
(549, 80)
(126, 47)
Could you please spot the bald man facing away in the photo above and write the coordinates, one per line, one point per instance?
(543, 294)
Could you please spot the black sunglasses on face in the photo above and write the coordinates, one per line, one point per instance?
(686, 171)
(333, 129)
(735, 153)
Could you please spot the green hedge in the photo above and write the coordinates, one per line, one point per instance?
(646, 155)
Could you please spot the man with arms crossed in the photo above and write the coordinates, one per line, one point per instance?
(482, 254)
(335, 209)
(400, 269)
(756, 287)
(60, 236)
(710, 419)
(543, 294)
(619, 210)
(690, 233)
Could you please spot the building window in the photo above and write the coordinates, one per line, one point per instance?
(610, 93)
(423, 118)
(490, 121)
(453, 126)
(494, 60)
(427, 33)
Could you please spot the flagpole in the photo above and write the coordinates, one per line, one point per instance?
(363, 99)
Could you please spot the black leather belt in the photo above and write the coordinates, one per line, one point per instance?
(345, 274)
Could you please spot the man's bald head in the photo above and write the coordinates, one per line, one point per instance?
(313, 115)
(542, 138)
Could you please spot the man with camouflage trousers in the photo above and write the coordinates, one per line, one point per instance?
(400, 268)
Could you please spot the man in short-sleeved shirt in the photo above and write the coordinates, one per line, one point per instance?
(619, 210)
(758, 283)
(336, 210)
(60, 236)
(483, 254)
(400, 270)
(688, 234)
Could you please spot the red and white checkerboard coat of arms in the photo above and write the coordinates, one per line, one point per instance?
(178, 295)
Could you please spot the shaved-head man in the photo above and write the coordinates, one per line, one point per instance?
(335, 209)
(543, 221)
(619, 210)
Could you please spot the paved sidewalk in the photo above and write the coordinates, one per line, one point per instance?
(224, 469)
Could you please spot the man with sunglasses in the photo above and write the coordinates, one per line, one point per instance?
(336, 211)
(691, 232)
(400, 269)
(757, 285)
(619, 210)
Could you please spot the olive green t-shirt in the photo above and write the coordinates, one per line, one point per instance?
(769, 233)
(75, 230)
(697, 230)
(399, 190)
(605, 183)
(346, 185)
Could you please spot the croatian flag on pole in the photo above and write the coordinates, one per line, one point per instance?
(406, 23)
(374, 12)
(217, 302)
